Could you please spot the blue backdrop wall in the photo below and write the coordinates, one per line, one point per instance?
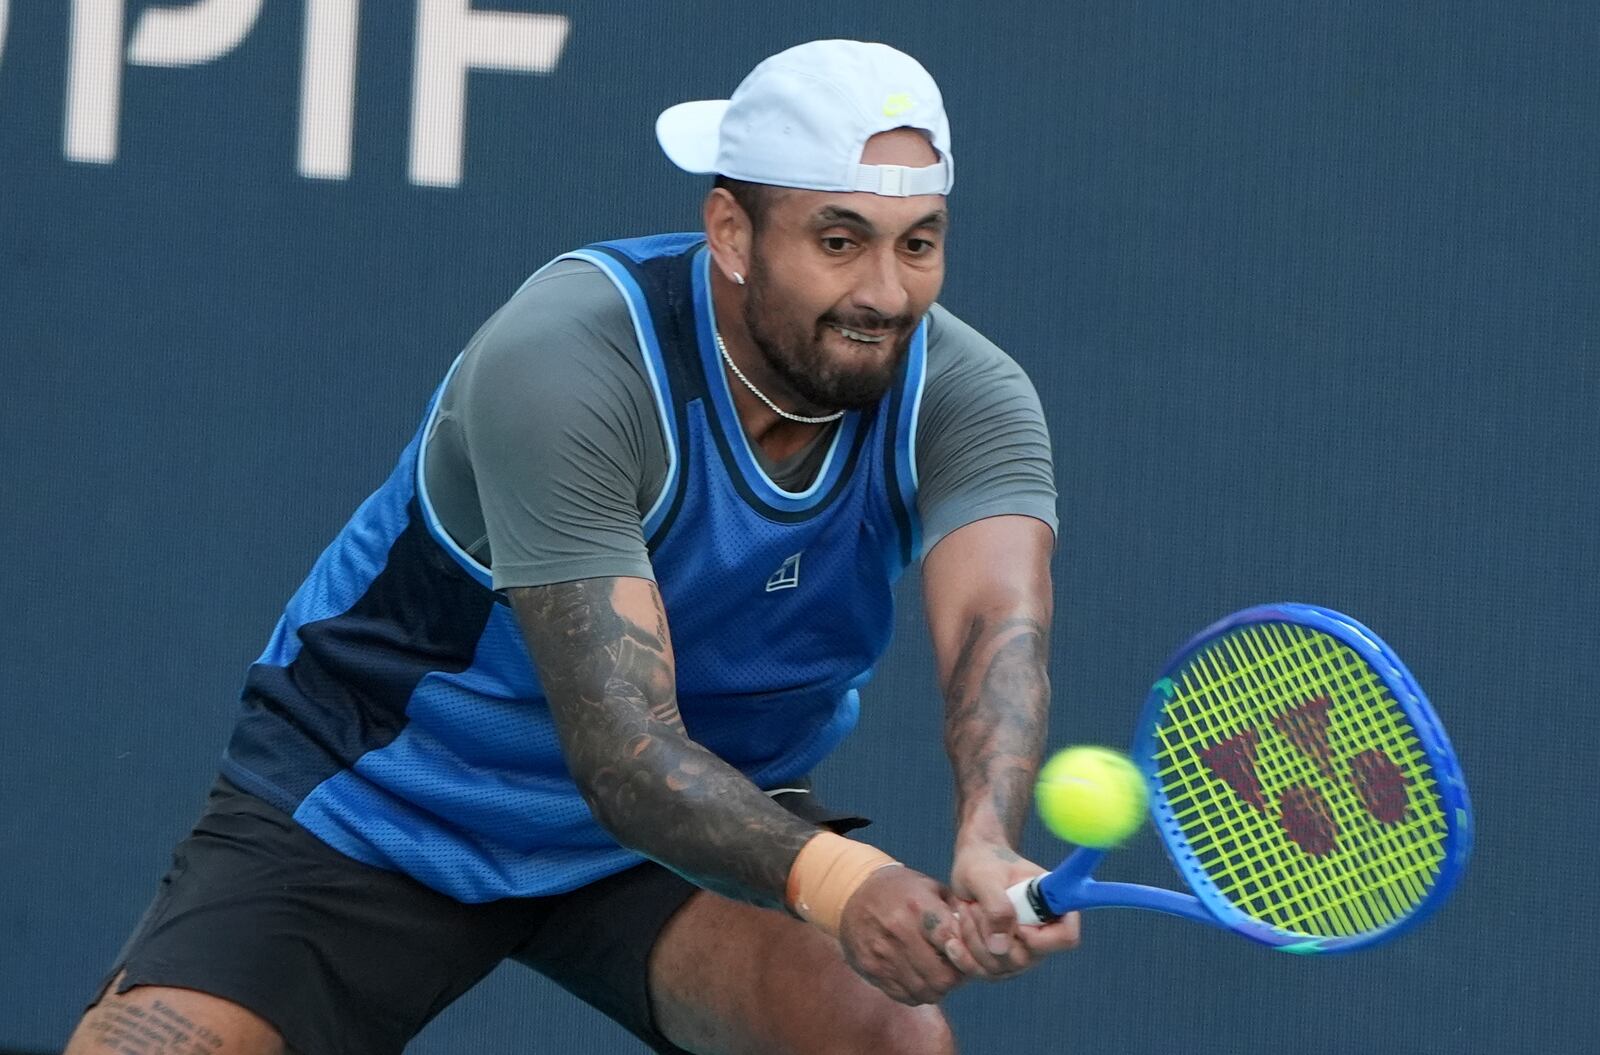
(1309, 293)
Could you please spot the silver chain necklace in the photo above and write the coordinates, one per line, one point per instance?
(784, 414)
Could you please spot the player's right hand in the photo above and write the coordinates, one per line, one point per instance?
(898, 933)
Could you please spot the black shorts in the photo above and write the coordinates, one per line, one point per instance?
(341, 957)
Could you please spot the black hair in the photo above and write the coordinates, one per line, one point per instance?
(754, 198)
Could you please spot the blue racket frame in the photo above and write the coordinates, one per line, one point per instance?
(1070, 886)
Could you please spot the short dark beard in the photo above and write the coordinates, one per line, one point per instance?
(796, 354)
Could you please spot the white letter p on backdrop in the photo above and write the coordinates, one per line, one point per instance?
(188, 36)
(165, 36)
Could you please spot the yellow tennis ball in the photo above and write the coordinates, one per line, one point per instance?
(1092, 796)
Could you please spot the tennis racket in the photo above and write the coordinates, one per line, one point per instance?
(1301, 783)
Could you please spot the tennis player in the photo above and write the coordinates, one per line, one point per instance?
(554, 692)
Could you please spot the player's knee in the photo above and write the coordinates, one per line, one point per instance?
(862, 1019)
(855, 1017)
(868, 1021)
(910, 1031)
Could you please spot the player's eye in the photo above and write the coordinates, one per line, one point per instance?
(919, 246)
(836, 243)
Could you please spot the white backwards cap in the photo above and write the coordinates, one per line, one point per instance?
(802, 117)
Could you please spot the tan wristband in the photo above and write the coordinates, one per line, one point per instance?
(827, 871)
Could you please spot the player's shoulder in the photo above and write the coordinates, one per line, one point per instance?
(567, 317)
(563, 295)
(958, 353)
(564, 340)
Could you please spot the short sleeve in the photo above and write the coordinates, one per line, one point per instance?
(982, 446)
(557, 423)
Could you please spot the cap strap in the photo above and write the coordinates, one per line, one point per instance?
(899, 181)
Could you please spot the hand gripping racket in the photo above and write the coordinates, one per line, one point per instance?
(1303, 788)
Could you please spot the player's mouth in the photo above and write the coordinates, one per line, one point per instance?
(858, 336)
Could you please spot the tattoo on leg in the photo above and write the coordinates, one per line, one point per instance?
(157, 1029)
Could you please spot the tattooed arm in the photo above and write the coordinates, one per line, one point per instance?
(987, 590)
(605, 658)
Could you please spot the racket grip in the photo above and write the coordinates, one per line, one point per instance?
(1029, 903)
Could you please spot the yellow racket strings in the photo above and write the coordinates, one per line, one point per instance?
(1363, 871)
(1333, 887)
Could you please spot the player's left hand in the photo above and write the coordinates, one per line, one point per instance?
(996, 945)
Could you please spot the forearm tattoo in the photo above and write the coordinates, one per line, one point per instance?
(612, 689)
(997, 701)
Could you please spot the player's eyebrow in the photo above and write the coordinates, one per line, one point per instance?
(838, 216)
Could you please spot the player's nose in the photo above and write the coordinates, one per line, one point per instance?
(881, 287)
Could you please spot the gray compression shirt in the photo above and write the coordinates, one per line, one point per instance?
(547, 449)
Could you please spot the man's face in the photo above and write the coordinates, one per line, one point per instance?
(838, 282)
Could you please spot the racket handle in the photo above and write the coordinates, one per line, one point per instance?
(1066, 882)
(1029, 903)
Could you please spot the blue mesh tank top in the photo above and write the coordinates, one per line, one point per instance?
(396, 712)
